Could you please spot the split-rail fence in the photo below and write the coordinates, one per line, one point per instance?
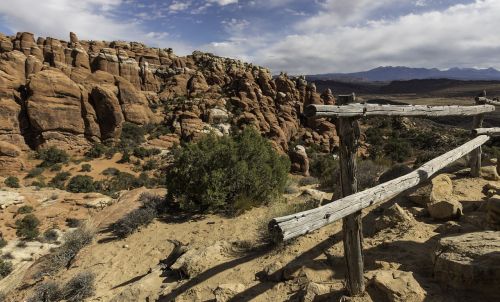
(348, 208)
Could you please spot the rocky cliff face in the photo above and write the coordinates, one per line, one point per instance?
(70, 94)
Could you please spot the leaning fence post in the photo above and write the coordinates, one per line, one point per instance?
(348, 131)
(475, 156)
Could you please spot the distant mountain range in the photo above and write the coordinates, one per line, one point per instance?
(401, 73)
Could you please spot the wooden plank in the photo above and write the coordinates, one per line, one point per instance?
(495, 131)
(287, 227)
(359, 110)
(348, 131)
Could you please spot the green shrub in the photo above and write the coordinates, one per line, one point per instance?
(132, 135)
(73, 222)
(150, 165)
(110, 152)
(51, 235)
(120, 181)
(86, 168)
(96, 151)
(5, 268)
(306, 181)
(217, 173)
(142, 152)
(125, 157)
(398, 150)
(151, 207)
(110, 171)
(59, 180)
(27, 227)
(52, 156)
(35, 172)
(26, 209)
(3, 242)
(81, 184)
(326, 168)
(12, 182)
(39, 182)
(56, 168)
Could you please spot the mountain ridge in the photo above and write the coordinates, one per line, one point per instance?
(403, 73)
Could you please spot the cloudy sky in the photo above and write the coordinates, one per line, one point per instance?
(297, 36)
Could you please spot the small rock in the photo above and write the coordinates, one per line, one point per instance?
(442, 188)
(312, 290)
(225, 292)
(392, 217)
(197, 260)
(453, 227)
(125, 246)
(398, 286)
(445, 209)
(273, 272)
(418, 212)
(489, 173)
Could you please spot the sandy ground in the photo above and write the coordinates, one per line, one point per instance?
(126, 267)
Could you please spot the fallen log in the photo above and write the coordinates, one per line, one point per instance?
(358, 110)
(288, 227)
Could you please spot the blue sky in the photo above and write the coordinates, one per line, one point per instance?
(297, 36)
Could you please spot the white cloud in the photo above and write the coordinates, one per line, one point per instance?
(235, 26)
(223, 2)
(177, 6)
(462, 35)
(89, 19)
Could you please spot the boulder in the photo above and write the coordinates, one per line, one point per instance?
(489, 173)
(442, 188)
(300, 160)
(493, 209)
(443, 204)
(469, 262)
(398, 286)
(445, 209)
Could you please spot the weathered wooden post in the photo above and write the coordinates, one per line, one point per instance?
(475, 156)
(348, 131)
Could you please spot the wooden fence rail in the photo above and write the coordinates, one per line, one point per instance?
(495, 131)
(291, 226)
(349, 207)
(358, 110)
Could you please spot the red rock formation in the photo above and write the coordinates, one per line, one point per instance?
(92, 87)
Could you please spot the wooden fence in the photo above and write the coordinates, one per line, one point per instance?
(349, 207)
